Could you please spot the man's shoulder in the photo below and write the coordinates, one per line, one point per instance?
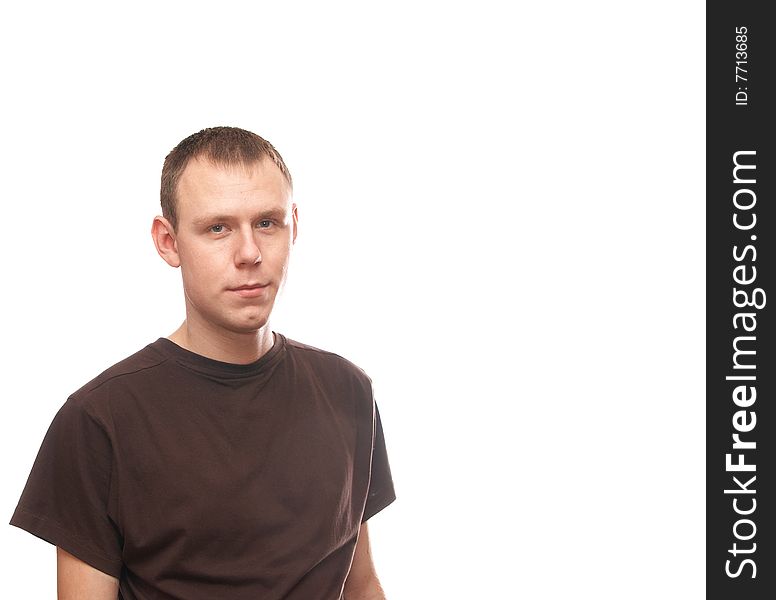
(326, 361)
(139, 363)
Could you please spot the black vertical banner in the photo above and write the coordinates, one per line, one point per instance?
(740, 301)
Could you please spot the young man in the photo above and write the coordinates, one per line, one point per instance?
(225, 461)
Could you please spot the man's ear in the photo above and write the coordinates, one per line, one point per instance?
(295, 218)
(164, 239)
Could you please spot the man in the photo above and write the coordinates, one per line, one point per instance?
(224, 461)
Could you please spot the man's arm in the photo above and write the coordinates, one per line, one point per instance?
(362, 582)
(78, 581)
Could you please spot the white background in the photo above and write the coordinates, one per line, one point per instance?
(501, 220)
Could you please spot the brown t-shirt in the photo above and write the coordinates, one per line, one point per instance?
(190, 478)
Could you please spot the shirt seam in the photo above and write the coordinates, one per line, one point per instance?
(124, 374)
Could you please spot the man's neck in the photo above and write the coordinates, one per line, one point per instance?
(230, 347)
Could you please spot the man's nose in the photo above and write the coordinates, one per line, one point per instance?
(248, 252)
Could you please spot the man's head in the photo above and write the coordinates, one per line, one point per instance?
(229, 223)
(221, 146)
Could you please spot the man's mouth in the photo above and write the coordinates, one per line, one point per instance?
(250, 290)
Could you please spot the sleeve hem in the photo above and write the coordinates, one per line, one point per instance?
(55, 534)
(376, 504)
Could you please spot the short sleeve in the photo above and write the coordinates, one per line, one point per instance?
(66, 499)
(381, 491)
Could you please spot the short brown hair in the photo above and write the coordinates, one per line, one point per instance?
(223, 146)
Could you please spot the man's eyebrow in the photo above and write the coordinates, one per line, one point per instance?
(209, 219)
(277, 214)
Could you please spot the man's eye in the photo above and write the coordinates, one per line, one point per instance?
(265, 223)
(216, 228)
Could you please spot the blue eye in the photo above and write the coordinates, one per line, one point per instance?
(265, 223)
(216, 228)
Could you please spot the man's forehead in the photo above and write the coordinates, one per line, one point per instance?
(205, 187)
(203, 170)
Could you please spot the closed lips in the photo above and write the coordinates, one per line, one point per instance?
(250, 286)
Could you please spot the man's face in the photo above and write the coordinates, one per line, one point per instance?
(236, 227)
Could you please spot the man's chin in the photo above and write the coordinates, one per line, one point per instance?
(249, 325)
